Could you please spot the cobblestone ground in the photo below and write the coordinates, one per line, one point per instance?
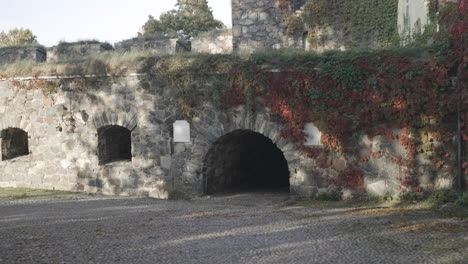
(242, 228)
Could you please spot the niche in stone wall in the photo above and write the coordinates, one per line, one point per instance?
(14, 143)
(114, 144)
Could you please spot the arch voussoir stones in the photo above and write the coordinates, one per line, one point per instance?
(127, 120)
(110, 154)
(258, 122)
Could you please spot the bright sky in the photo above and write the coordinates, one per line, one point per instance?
(105, 20)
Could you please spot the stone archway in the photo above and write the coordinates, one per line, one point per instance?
(244, 160)
(211, 126)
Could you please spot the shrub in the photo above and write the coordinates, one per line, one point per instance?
(17, 37)
(331, 196)
(410, 196)
(462, 200)
(442, 197)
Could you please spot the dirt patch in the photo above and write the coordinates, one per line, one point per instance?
(382, 211)
(204, 214)
(432, 227)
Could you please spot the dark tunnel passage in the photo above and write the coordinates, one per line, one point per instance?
(244, 160)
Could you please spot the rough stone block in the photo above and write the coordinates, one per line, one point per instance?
(65, 50)
(382, 187)
(166, 162)
(306, 192)
(13, 54)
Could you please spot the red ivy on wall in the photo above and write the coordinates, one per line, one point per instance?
(352, 96)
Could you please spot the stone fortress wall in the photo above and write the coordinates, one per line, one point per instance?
(260, 24)
(67, 140)
(13, 54)
(216, 42)
(67, 51)
(256, 25)
(76, 139)
(64, 144)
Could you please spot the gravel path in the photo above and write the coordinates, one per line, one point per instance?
(243, 228)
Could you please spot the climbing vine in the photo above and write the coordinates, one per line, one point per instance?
(47, 87)
(403, 95)
(357, 23)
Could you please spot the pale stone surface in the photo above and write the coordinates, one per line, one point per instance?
(382, 187)
(444, 183)
(213, 43)
(64, 155)
(209, 42)
(164, 46)
(181, 131)
(313, 135)
(412, 16)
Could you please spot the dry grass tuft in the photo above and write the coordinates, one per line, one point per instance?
(204, 214)
(382, 211)
(97, 64)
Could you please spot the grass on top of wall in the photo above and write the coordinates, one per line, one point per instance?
(99, 64)
(118, 63)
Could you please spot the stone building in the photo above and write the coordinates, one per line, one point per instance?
(215, 42)
(15, 54)
(257, 25)
(115, 135)
(76, 50)
(263, 24)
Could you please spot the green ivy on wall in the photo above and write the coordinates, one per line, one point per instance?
(360, 21)
(357, 23)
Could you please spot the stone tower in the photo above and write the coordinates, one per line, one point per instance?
(257, 24)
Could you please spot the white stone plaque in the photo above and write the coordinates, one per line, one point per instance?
(313, 135)
(181, 131)
(412, 16)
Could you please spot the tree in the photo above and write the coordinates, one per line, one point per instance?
(17, 37)
(189, 18)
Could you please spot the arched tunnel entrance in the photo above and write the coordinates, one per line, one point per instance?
(244, 160)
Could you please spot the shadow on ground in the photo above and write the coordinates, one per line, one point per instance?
(255, 227)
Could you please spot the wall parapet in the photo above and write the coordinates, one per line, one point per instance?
(67, 51)
(15, 54)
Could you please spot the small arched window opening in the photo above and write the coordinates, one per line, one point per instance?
(14, 143)
(114, 144)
